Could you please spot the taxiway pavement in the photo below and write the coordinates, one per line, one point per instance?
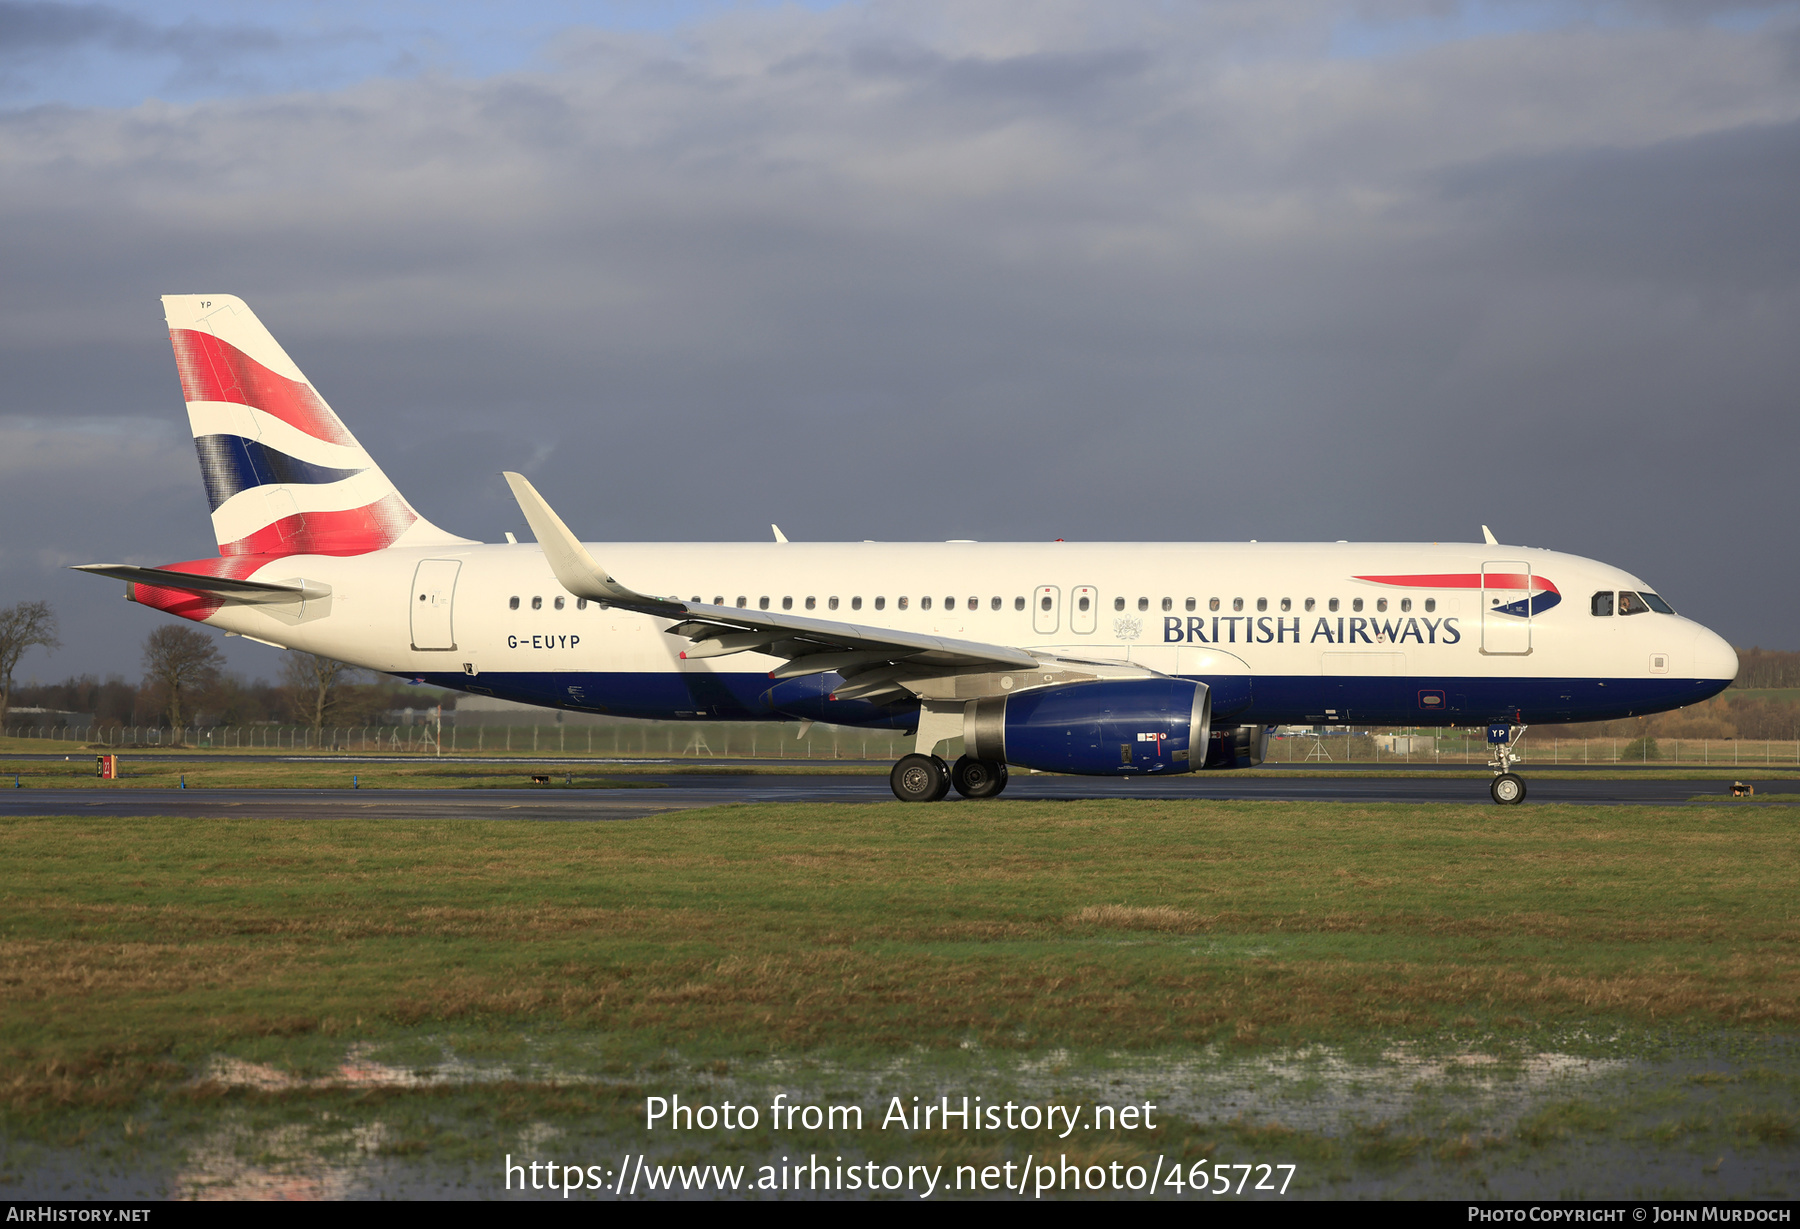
(682, 793)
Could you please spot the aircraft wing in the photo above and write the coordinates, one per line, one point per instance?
(811, 645)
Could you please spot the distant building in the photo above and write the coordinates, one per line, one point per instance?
(48, 718)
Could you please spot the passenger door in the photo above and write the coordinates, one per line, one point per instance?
(433, 591)
(1045, 615)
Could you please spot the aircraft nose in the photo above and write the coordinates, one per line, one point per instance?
(1714, 658)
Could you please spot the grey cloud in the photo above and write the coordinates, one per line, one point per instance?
(42, 41)
(974, 270)
(32, 27)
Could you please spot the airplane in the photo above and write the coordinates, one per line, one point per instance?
(1103, 659)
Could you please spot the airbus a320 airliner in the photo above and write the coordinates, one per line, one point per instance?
(1105, 659)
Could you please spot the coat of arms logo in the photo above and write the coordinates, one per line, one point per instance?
(1128, 628)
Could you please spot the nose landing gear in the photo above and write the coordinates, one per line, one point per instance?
(1508, 788)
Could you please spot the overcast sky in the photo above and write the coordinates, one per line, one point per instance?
(996, 269)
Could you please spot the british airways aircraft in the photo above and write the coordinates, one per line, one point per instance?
(1105, 659)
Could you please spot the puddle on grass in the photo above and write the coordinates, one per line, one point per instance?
(1319, 1089)
(234, 1162)
(360, 1070)
(327, 1147)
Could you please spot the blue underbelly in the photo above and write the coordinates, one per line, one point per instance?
(1263, 699)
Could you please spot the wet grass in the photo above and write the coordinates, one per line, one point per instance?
(755, 947)
(129, 946)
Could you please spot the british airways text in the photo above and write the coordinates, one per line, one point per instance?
(1272, 629)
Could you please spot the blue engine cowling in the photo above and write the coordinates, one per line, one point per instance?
(1109, 727)
(1237, 746)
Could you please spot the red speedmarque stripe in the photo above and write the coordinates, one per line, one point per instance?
(213, 370)
(354, 531)
(1465, 580)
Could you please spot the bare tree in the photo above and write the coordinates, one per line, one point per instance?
(181, 661)
(316, 686)
(22, 626)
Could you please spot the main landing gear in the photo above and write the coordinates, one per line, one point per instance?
(920, 778)
(1507, 788)
(926, 778)
(978, 778)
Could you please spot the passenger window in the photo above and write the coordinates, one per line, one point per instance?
(1356, 604)
(1656, 603)
(1262, 603)
(742, 601)
(1191, 603)
(537, 603)
(949, 603)
(1630, 603)
(762, 603)
(994, 604)
(719, 601)
(1310, 603)
(1237, 603)
(881, 603)
(1045, 603)
(1406, 605)
(1018, 603)
(1081, 603)
(1602, 605)
(974, 603)
(581, 603)
(856, 603)
(1143, 603)
(1332, 604)
(924, 603)
(512, 603)
(812, 603)
(1213, 604)
(1287, 603)
(787, 603)
(831, 603)
(1118, 603)
(1381, 604)
(901, 602)
(559, 603)
(1430, 604)
(1168, 603)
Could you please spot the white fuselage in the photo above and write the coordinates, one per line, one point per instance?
(1295, 631)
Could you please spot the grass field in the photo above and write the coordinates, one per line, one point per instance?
(568, 970)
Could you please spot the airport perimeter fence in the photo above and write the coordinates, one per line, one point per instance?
(790, 741)
(652, 739)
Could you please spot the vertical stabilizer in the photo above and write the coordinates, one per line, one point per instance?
(283, 474)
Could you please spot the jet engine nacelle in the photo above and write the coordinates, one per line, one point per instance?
(1237, 746)
(1109, 727)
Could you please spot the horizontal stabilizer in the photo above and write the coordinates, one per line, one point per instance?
(163, 578)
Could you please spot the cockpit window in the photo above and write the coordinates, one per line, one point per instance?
(1603, 603)
(1656, 603)
(1630, 603)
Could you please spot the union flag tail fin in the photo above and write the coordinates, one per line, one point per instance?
(283, 474)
